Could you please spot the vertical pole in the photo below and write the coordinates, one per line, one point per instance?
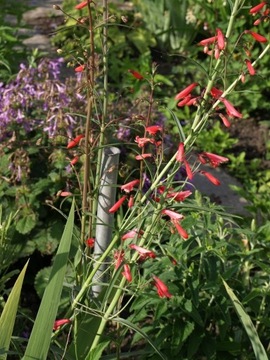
(104, 222)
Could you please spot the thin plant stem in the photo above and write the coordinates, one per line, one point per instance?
(86, 206)
(118, 292)
(105, 106)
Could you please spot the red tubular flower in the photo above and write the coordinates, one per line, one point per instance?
(172, 260)
(118, 256)
(208, 41)
(79, 68)
(230, 109)
(250, 68)
(82, 5)
(152, 130)
(257, 22)
(74, 160)
(90, 242)
(145, 253)
(130, 201)
(217, 52)
(64, 193)
(143, 156)
(179, 195)
(256, 36)
(117, 205)
(182, 232)
(127, 273)
(128, 187)
(224, 120)
(213, 159)
(184, 93)
(162, 289)
(131, 234)
(141, 141)
(220, 39)
(216, 93)
(257, 8)
(188, 170)
(60, 322)
(75, 141)
(184, 101)
(210, 177)
(180, 153)
(172, 214)
(192, 101)
(136, 74)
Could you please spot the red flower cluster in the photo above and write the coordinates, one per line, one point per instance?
(175, 218)
(152, 130)
(185, 96)
(262, 10)
(230, 109)
(178, 196)
(212, 159)
(127, 188)
(218, 42)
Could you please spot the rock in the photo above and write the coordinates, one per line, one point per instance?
(37, 41)
(31, 17)
(43, 20)
(223, 194)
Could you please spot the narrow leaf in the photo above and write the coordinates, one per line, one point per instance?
(39, 342)
(258, 348)
(8, 315)
(96, 353)
(143, 334)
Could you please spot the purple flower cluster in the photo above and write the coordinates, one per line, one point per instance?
(38, 99)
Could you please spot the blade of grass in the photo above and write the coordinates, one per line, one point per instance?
(258, 348)
(39, 342)
(142, 333)
(8, 315)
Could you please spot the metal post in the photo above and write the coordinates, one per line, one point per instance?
(106, 199)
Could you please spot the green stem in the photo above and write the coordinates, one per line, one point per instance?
(86, 168)
(105, 107)
(199, 120)
(88, 129)
(119, 291)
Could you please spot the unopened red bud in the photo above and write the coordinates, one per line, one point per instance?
(257, 8)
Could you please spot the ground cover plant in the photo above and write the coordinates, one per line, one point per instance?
(145, 266)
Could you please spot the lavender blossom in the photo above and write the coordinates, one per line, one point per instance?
(37, 99)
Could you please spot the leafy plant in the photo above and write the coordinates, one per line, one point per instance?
(143, 255)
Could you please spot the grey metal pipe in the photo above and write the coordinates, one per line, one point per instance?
(106, 199)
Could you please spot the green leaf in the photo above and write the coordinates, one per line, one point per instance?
(258, 348)
(39, 342)
(27, 223)
(85, 329)
(8, 315)
(97, 351)
(142, 333)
